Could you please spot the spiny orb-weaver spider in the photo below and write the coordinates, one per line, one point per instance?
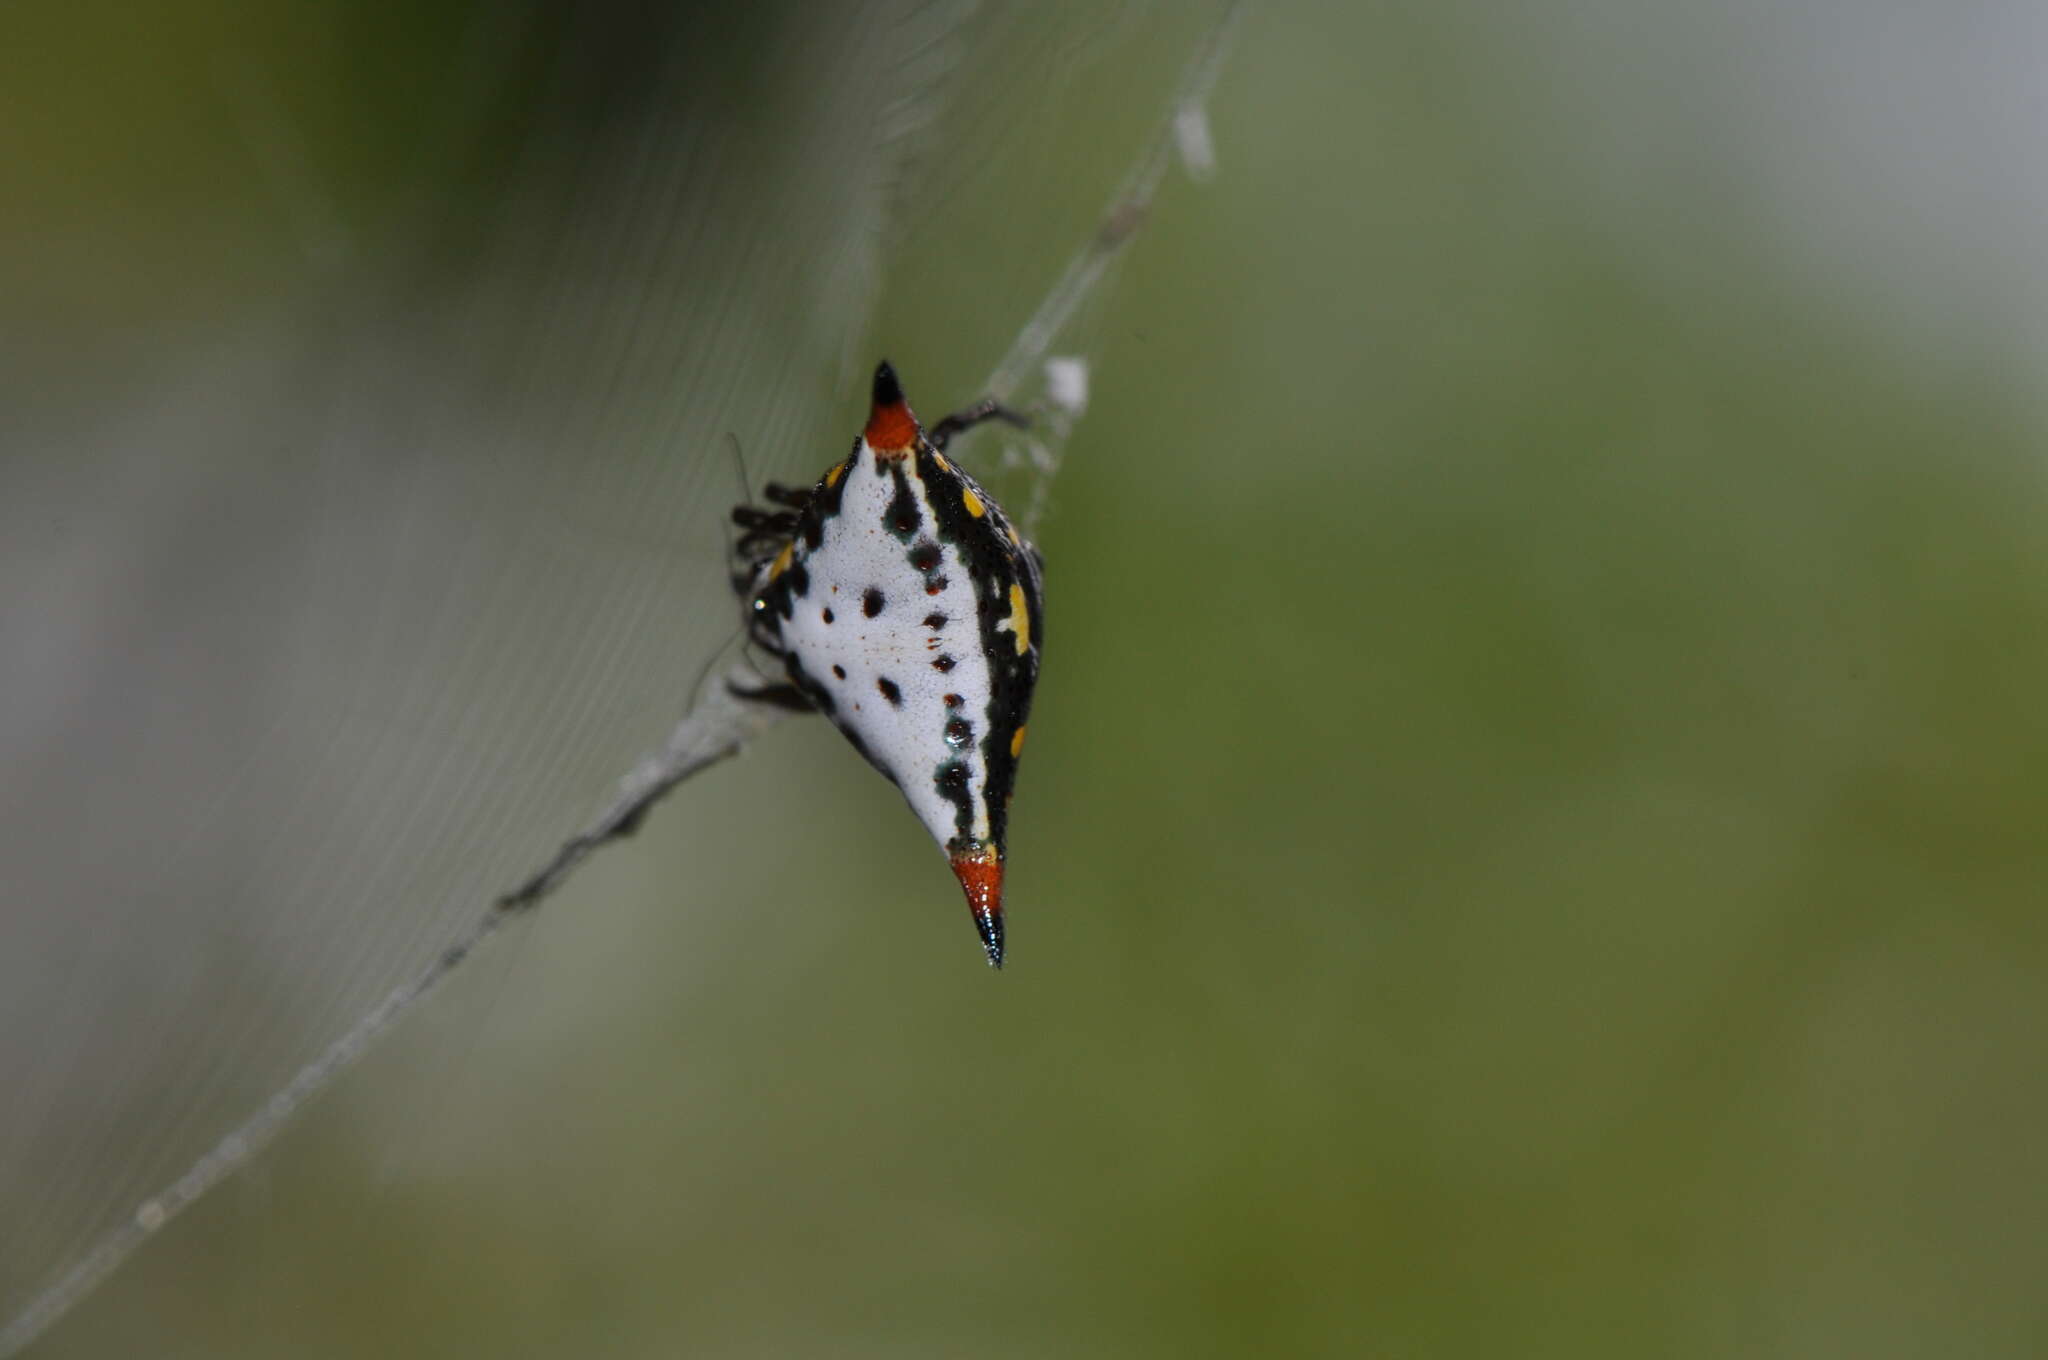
(905, 607)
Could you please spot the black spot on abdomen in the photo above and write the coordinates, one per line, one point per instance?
(902, 518)
(871, 602)
(890, 691)
(951, 782)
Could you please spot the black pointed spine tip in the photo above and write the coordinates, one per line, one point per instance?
(887, 390)
(991, 928)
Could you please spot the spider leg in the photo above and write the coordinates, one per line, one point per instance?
(763, 635)
(988, 408)
(754, 518)
(795, 497)
(780, 695)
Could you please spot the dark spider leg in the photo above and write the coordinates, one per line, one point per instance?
(762, 633)
(759, 547)
(752, 518)
(780, 695)
(795, 497)
(941, 434)
(744, 576)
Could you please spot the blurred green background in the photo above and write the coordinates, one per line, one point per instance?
(1531, 842)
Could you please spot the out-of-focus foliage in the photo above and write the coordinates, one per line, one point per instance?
(1531, 838)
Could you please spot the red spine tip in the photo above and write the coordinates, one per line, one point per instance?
(980, 872)
(891, 425)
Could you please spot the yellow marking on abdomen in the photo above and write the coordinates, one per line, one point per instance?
(1016, 743)
(1020, 618)
(782, 560)
(833, 474)
(972, 502)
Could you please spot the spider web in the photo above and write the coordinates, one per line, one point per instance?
(338, 610)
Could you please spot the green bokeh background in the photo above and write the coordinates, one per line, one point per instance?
(1530, 844)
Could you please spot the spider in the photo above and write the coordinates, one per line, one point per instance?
(903, 605)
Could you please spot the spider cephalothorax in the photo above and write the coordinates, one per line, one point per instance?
(904, 606)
